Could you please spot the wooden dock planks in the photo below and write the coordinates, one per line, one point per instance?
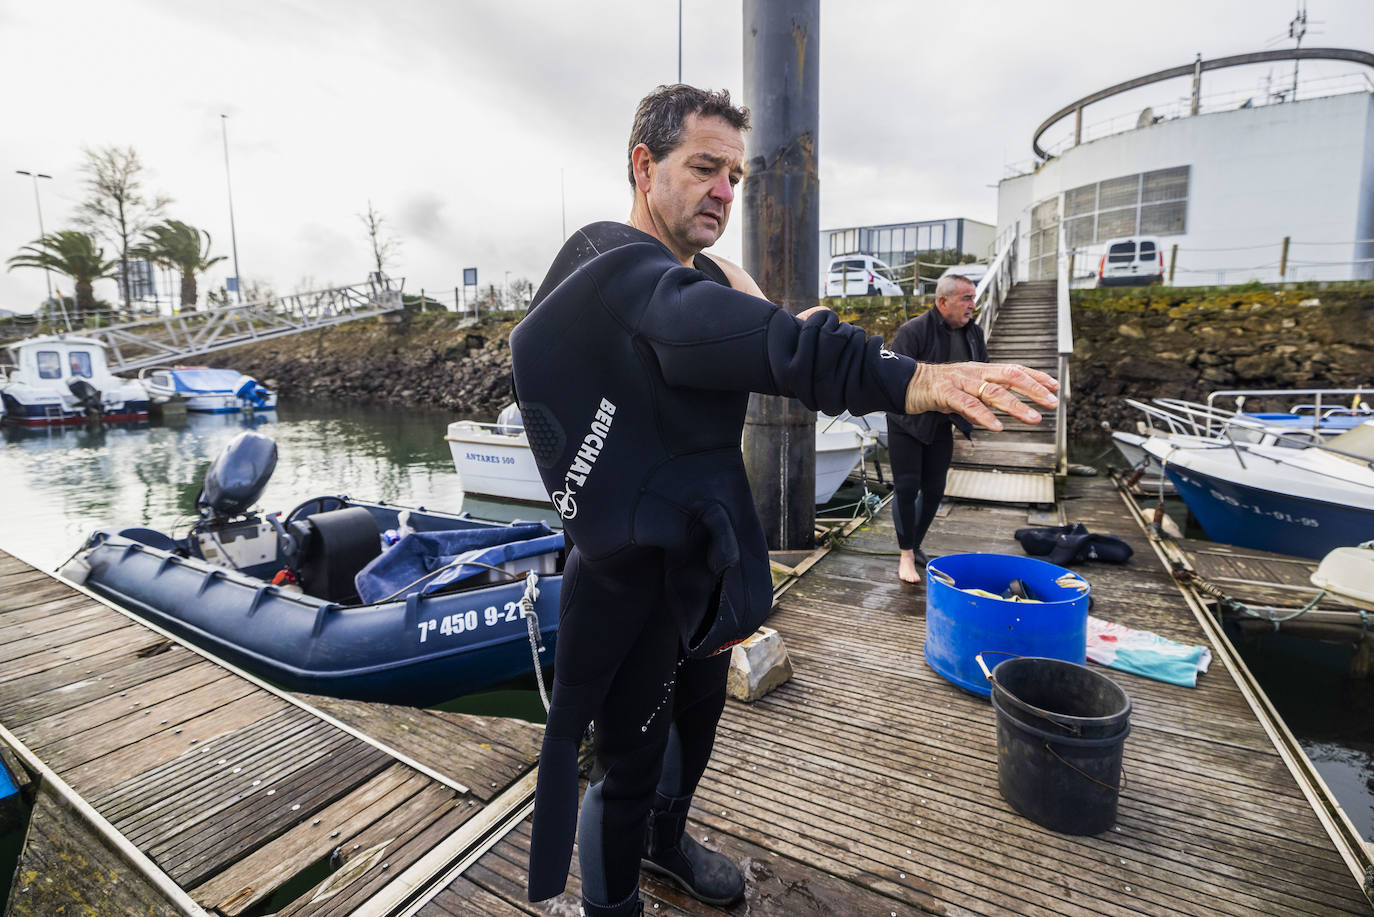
(868, 784)
(232, 790)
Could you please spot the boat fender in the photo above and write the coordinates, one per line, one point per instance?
(75, 571)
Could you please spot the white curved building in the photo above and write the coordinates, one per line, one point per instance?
(1223, 190)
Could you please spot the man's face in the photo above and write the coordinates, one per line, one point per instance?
(957, 308)
(691, 189)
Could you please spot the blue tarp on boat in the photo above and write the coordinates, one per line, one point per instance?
(407, 566)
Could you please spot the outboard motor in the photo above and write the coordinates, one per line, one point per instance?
(251, 391)
(88, 396)
(237, 477)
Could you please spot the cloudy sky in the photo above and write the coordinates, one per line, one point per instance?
(471, 125)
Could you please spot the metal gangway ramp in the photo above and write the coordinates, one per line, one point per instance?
(132, 346)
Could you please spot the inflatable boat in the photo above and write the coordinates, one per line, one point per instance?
(339, 597)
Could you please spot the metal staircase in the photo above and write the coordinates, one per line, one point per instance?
(175, 339)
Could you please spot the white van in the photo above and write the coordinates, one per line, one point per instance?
(975, 271)
(1131, 261)
(860, 275)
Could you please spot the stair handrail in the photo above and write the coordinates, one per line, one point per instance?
(1065, 338)
(992, 290)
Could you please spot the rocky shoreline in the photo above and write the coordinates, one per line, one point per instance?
(1157, 342)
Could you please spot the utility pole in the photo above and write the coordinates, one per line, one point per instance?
(233, 236)
(781, 239)
(47, 275)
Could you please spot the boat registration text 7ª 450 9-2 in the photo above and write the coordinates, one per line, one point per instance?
(462, 622)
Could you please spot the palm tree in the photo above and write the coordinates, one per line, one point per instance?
(74, 254)
(179, 245)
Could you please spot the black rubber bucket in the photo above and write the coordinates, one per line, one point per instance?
(1061, 728)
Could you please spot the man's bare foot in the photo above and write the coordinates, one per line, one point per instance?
(907, 569)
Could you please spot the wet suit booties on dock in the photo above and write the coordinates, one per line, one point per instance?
(633, 374)
(1072, 544)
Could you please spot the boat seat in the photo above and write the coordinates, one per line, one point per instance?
(332, 548)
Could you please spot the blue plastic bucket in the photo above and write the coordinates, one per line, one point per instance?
(960, 625)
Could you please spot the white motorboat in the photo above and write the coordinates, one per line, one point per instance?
(62, 379)
(874, 423)
(494, 459)
(207, 390)
(1304, 500)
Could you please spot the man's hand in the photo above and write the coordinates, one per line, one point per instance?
(975, 389)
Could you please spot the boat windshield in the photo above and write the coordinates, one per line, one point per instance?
(1357, 443)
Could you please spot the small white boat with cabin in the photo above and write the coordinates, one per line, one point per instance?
(63, 379)
(494, 459)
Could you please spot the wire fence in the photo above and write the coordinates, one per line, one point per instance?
(1286, 260)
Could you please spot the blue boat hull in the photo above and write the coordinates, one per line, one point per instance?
(1248, 517)
(417, 650)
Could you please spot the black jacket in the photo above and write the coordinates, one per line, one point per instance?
(926, 339)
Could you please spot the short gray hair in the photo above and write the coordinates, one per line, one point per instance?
(949, 283)
(662, 114)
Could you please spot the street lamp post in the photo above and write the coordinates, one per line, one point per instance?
(233, 236)
(47, 275)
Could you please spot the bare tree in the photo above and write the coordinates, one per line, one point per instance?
(384, 245)
(116, 206)
(521, 291)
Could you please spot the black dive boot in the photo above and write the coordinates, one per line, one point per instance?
(630, 907)
(670, 851)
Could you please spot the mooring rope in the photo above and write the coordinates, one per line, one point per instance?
(532, 624)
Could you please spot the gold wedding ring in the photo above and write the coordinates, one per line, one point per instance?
(980, 389)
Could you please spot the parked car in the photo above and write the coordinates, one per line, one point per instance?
(860, 275)
(1131, 261)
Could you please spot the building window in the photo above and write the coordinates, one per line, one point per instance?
(1150, 203)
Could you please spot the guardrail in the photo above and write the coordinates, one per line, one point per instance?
(996, 284)
(1065, 348)
(1314, 408)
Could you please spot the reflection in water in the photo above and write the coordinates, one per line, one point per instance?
(1331, 714)
(60, 484)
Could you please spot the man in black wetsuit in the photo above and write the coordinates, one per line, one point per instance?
(632, 371)
(921, 446)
